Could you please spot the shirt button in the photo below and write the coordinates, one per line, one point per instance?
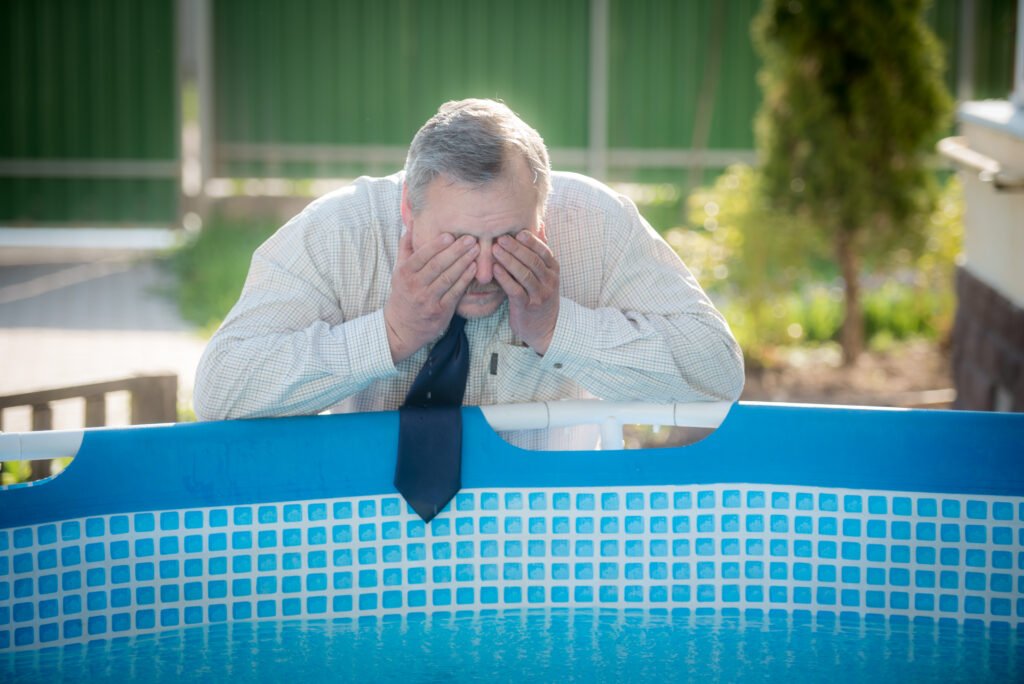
(558, 365)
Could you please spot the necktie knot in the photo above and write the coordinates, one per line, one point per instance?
(442, 380)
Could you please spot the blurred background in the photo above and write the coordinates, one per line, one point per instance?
(843, 178)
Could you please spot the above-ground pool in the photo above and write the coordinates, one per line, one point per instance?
(793, 543)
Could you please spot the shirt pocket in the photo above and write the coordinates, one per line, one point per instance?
(521, 378)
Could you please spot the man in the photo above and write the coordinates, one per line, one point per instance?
(567, 291)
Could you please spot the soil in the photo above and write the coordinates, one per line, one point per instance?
(913, 374)
(910, 375)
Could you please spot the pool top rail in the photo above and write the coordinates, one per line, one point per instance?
(217, 463)
(611, 416)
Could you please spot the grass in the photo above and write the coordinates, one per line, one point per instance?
(212, 268)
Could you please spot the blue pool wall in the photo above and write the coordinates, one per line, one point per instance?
(915, 514)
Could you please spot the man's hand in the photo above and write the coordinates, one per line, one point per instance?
(426, 286)
(528, 272)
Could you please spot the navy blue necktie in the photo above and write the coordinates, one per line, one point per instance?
(429, 468)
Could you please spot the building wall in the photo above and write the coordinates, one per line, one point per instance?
(988, 348)
(988, 338)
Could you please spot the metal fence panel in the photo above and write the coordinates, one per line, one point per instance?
(315, 88)
(322, 88)
(89, 126)
(665, 55)
(312, 88)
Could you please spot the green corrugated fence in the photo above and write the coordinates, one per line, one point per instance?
(89, 124)
(625, 89)
(321, 88)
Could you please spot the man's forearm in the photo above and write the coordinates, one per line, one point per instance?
(253, 374)
(688, 356)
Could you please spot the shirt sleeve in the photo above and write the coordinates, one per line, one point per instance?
(654, 333)
(290, 346)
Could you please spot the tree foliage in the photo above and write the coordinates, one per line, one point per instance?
(853, 103)
(772, 274)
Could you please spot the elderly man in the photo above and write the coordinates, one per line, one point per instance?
(564, 289)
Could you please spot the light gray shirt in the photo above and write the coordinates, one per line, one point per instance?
(307, 333)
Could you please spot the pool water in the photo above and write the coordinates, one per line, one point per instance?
(544, 645)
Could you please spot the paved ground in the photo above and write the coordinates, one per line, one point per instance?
(78, 314)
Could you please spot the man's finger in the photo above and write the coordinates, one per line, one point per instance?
(442, 260)
(425, 252)
(523, 265)
(451, 298)
(539, 246)
(450, 277)
(510, 285)
(528, 254)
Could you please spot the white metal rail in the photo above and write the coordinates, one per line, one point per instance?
(989, 170)
(609, 415)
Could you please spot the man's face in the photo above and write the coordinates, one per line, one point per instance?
(505, 206)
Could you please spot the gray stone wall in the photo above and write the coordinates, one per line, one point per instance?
(988, 348)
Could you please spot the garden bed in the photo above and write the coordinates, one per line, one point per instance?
(911, 374)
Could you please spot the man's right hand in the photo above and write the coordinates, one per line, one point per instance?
(426, 287)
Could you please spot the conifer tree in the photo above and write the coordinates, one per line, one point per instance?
(854, 101)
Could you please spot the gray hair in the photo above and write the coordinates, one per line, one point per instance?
(472, 141)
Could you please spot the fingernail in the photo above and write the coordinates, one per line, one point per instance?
(447, 238)
(523, 236)
(468, 240)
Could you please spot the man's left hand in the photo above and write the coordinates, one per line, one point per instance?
(527, 270)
